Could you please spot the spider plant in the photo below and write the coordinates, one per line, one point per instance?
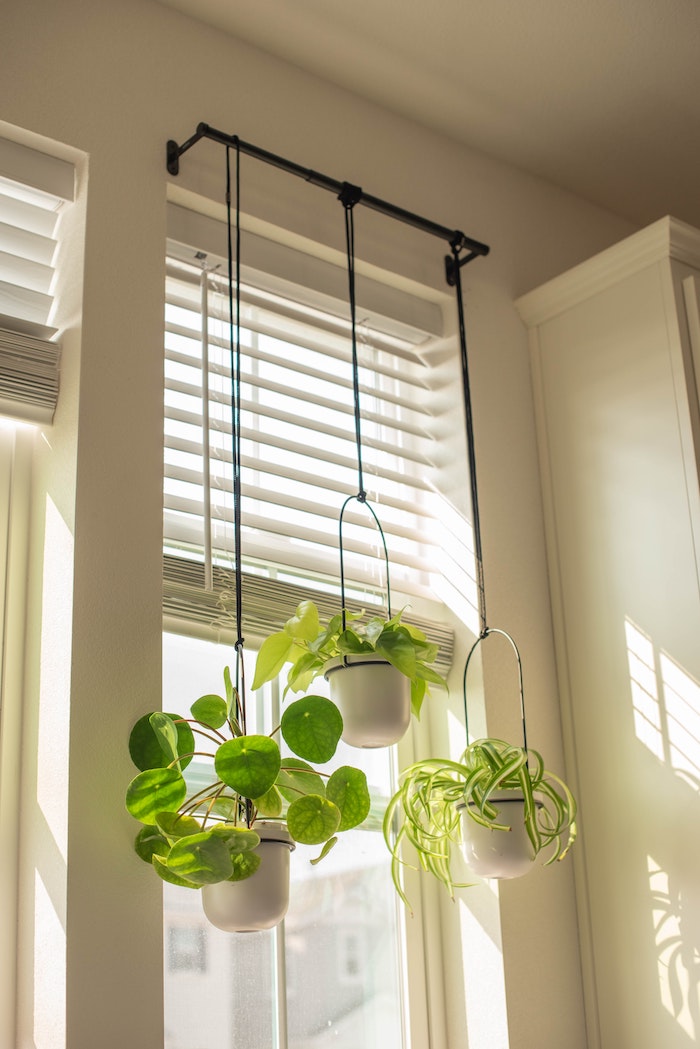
(437, 796)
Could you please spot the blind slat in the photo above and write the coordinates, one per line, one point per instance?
(296, 411)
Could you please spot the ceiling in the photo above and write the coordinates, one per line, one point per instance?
(600, 97)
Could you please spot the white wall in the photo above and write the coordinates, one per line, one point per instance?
(618, 417)
(112, 80)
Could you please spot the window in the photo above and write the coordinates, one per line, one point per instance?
(187, 948)
(334, 973)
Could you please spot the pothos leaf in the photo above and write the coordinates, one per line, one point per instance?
(304, 624)
(273, 654)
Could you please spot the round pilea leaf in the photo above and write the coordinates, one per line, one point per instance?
(347, 788)
(155, 791)
(163, 871)
(173, 825)
(249, 764)
(312, 727)
(312, 819)
(147, 753)
(150, 842)
(237, 839)
(270, 804)
(296, 777)
(210, 710)
(201, 858)
(244, 864)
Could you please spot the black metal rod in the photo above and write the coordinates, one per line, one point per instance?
(454, 237)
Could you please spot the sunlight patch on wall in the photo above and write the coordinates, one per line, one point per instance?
(666, 704)
(645, 692)
(682, 709)
(49, 972)
(677, 958)
(54, 699)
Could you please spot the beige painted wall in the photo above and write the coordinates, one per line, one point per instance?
(111, 80)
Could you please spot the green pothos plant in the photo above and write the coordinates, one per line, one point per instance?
(311, 647)
(204, 835)
(436, 795)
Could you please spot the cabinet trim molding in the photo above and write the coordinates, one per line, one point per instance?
(667, 238)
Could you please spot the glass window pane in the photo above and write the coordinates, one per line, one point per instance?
(330, 976)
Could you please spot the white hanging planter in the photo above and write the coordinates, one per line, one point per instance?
(260, 901)
(499, 853)
(373, 697)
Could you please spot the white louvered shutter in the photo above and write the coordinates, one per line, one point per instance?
(34, 187)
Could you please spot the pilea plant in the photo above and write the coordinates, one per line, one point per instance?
(311, 648)
(438, 798)
(197, 836)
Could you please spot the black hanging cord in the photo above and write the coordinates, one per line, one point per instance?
(469, 422)
(349, 196)
(235, 351)
(453, 266)
(488, 632)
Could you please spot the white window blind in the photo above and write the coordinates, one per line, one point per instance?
(299, 460)
(34, 187)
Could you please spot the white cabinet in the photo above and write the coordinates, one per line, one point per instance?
(615, 353)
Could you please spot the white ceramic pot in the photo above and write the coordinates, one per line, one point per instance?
(373, 697)
(258, 902)
(499, 853)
